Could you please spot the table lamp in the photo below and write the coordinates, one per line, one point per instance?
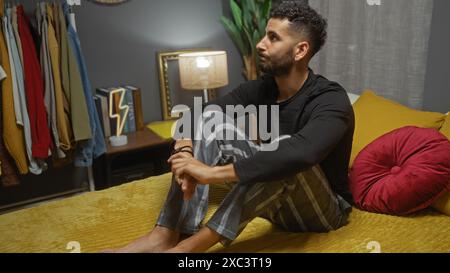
(203, 71)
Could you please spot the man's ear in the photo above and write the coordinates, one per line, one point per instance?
(301, 50)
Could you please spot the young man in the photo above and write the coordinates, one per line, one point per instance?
(302, 185)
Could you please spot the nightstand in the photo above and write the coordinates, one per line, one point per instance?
(145, 155)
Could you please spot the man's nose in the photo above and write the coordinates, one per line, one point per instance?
(260, 46)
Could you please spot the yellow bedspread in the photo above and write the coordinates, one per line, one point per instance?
(114, 217)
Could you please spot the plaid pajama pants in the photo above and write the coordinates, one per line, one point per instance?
(300, 203)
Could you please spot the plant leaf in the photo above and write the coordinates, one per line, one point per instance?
(237, 14)
(266, 9)
(246, 15)
(248, 37)
(256, 39)
(262, 27)
(251, 5)
(249, 26)
(235, 34)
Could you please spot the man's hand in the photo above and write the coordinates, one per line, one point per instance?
(186, 182)
(184, 165)
(188, 185)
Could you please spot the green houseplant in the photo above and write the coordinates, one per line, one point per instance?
(246, 28)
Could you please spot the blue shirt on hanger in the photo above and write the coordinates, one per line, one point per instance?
(87, 150)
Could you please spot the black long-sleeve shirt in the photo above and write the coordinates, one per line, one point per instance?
(320, 122)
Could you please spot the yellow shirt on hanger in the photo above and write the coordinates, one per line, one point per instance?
(13, 134)
(63, 119)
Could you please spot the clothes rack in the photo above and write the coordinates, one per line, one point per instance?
(90, 185)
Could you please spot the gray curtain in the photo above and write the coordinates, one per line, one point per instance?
(379, 47)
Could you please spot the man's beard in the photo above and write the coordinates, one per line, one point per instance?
(278, 68)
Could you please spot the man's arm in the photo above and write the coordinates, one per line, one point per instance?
(189, 172)
(242, 95)
(183, 164)
(225, 173)
(329, 122)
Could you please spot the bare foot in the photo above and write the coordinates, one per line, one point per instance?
(198, 243)
(159, 240)
(177, 250)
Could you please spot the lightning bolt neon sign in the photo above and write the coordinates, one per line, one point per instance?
(122, 109)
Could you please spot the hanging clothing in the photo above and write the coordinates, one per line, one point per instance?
(94, 147)
(2, 77)
(62, 106)
(20, 100)
(8, 172)
(13, 134)
(46, 69)
(72, 85)
(16, 32)
(46, 100)
(34, 87)
(15, 88)
(56, 24)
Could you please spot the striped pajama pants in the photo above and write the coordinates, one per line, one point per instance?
(300, 203)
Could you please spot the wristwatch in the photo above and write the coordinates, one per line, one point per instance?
(187, 149)
(184, 149)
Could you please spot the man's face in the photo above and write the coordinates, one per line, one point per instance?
(277, 48)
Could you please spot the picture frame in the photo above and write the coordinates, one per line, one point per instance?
(171, 92)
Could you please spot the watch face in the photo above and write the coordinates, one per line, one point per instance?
(109, 2)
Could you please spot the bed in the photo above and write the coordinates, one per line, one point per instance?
(111, 218)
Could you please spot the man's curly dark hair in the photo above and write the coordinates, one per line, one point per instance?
(304, 20)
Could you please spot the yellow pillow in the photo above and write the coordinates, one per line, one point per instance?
(446, 127)
(376, 116)
(162, 128)
(443, 203)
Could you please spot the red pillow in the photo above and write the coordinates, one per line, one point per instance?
(401, 172)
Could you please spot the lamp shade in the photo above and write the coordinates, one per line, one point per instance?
(203, 70)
